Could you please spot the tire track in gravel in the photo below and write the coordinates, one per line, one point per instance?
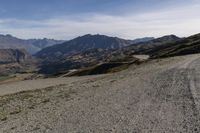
(193, 76)
(176, 87)
(154, 97)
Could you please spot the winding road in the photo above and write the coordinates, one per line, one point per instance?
(159, 96)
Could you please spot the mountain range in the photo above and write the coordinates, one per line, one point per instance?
(81, 44)
(11, 47)
(31, 45)
(85, 43)
(90, 51)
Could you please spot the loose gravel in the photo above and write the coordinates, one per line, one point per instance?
(158, 96)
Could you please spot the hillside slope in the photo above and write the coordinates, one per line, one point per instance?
(13, 56)
(92, 56)
(189, 45)
(13, 61)
(146, 47)
(82, 44)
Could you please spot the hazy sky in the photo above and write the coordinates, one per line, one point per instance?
(65, 19)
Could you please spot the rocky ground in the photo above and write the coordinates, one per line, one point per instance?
(157, 96)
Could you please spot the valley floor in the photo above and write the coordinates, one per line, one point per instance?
(158, 96)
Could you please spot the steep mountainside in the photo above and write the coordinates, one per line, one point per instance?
(13, 56)
(32, 45)
(143, 48)
(14, 61)
(190, 45)
(146, 47)
(82, 44)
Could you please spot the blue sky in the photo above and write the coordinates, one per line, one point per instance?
(66, 19)
(40, 9)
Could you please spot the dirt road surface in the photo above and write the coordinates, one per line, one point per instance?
(158, 96)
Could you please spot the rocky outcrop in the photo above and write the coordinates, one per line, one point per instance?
(14, 56)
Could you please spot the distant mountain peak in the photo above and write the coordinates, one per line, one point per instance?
(7, 36)
(171, 36)
(83, 43)
(168, 38)
(31, 45)
(93, 35)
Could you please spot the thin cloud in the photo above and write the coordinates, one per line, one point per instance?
(180, 21)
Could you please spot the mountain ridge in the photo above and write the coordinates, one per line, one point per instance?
(83, 43)
(31, 45)
(89, 57)
(188, 45)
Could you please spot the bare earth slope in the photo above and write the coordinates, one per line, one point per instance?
(159, 96)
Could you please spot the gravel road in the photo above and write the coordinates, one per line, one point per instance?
(26, 85)
(158, 96)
